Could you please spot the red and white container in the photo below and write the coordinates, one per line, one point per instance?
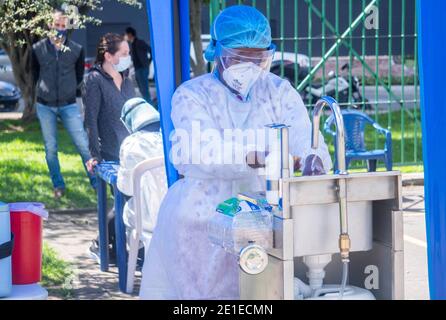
(26, 225)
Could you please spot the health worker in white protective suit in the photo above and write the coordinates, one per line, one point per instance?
(142, 120)
(240, 94)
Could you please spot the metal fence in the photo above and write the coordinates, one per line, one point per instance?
(362, 52)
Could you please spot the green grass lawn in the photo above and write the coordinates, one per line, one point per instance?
(24, 173)
(57, 274)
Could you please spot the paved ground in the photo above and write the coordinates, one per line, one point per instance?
(415, 258)
(385, 102)
(70, 235)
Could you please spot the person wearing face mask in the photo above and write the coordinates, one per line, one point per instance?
(239, 95)
(106, 89)
(58, 70)
(104, 93)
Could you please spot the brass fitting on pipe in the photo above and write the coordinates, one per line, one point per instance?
(344, 246)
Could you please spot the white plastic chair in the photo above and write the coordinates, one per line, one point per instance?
(149, 165)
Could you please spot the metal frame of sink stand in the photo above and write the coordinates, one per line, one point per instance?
(384, 262)
(386, 257)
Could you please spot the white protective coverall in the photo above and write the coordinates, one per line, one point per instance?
(181, 263)
(137, 147)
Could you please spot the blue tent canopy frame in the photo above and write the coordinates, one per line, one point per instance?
(432, 62)
(169, 31)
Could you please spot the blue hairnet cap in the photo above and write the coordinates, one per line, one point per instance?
(239, 27)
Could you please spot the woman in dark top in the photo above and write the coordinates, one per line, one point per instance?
(106, 89)
(105, 92)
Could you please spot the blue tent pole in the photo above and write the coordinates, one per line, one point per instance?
(183, 7)
(161, 16)
(432, 63)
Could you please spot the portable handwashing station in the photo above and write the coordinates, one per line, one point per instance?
(345, 229)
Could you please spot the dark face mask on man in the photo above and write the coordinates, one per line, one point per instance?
(61, 33)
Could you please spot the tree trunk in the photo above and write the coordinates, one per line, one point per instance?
(26, 84)
(20, 57)
(199, 65)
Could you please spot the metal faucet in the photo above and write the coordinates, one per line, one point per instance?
(344, 239)
(340, 135)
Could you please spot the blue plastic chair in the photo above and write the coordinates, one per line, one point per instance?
(355, 123)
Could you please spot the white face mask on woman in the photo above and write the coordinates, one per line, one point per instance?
(123, 64)
(241, 77)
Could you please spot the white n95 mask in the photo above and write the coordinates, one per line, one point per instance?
(241, 77)
(123, 64)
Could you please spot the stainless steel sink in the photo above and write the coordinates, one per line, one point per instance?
(314, 210)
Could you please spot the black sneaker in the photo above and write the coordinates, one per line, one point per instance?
(95, 255)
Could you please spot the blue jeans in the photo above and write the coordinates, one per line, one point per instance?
(142, 79)
(72, 120)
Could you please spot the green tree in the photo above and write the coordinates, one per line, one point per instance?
(24, 22)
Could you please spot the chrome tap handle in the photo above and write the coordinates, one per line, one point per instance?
(340, 131)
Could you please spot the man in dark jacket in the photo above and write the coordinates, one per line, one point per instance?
(142, 57)
(58, 69)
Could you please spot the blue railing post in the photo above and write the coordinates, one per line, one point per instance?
(431, 29)
(103, 225)
(120, 238)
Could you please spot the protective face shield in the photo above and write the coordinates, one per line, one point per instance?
(123, 64)
(240, 69)
(137, 113)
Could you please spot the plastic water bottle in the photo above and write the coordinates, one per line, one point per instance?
(219, 230)
(252, 226)
(234, 229)
(5, 262)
